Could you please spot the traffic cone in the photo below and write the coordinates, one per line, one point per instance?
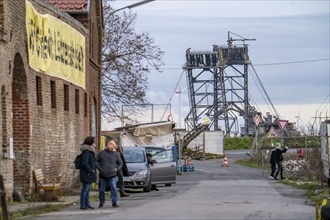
(189, 161)
(225, 162)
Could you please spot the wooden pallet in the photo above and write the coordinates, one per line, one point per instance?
(186, 168)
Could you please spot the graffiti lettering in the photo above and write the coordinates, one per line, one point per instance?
(49, 44)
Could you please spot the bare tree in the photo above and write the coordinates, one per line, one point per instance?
(127, 58)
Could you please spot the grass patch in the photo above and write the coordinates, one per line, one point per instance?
(315, 192)
(249, 163)
(36, 211)
(238, 143)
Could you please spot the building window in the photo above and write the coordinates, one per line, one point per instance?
(66, 97)
(85, 105)
(76, 95)
(4, 119)
(2, 17)
(39, 90)
(53, 94)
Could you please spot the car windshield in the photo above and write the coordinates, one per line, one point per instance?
(134, 156)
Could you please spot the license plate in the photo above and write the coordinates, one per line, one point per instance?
(127, 179)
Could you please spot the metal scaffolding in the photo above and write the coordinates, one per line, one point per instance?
(218, 87)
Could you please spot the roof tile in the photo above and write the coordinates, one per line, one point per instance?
(69, 5)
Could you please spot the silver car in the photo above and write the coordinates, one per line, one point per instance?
(138, 168)
(163, 170)
(142, 174)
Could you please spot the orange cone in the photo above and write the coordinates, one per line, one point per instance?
(225, 162)
(189, 161)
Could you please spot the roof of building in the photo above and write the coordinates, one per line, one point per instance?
(70, 5)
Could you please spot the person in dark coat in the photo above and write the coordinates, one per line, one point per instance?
(122, 172)
(87, 171)
(108, 162)
(279, 160)
(151, 162)
(272, 164)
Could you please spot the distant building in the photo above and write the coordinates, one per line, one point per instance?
(50, 86)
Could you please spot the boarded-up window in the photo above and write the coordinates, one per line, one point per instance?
(85, 105)
(66, 97)
(39, 90)
(53, 94)
(76, 95)
(2, 16)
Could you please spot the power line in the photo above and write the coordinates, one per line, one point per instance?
(292, 62)
(268, 64)
(264, 90)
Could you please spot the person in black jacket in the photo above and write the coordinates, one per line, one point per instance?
(272, 164)
(279, 159)
(87, 171)
(108, 162)
(122, 172)
(151, 162)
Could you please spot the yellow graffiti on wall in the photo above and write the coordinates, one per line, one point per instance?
(54, 47)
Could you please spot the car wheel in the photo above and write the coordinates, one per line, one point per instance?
(148, 187)
(168, 184)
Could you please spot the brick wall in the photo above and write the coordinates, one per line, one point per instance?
(44, 137)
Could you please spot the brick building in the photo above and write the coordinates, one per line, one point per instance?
(50, 86)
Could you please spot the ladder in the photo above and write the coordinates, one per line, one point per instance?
(191, 135)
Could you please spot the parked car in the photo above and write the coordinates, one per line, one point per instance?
(138, 168)
(142, 174)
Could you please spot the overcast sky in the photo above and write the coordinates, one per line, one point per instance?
(287, 34)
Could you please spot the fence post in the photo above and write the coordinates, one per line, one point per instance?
(204, 145)
(3, 201)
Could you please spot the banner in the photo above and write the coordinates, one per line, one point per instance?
(54, 47)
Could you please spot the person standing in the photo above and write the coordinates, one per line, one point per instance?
(108, 162)
(151, 162)
(279, 162)
(87, 171)
(122, 172)
(272, 164)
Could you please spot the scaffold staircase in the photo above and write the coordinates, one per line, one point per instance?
(191, 135)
